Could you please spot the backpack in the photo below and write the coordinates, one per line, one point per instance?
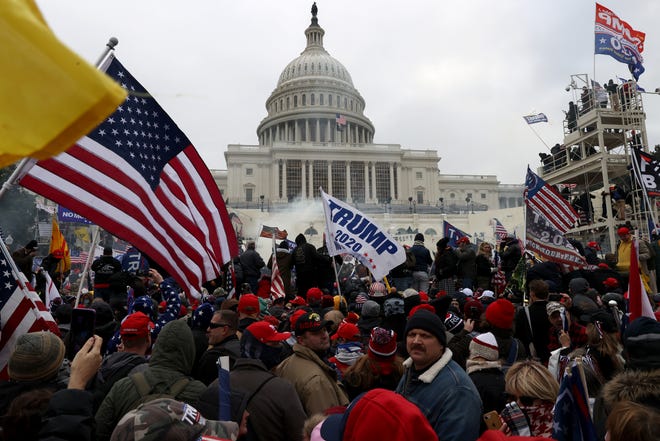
(146, 392)
(512, 357)
(410, 261)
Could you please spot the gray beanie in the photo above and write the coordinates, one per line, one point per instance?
(370, 309)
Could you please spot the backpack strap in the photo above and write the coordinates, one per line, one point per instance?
(141, 384)
(179, 386)
(256, 391)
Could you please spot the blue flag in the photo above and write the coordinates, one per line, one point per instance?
(452, 233)
(572, 421)
(616, 38)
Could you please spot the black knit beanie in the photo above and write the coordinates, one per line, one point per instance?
(428, 322)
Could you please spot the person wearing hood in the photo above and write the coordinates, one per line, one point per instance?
(369, 319)
(223, 341)
(307, 261)
(24, 258)
(276, 413)
(171, 362)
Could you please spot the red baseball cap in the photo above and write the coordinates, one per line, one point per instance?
(623, 231)
(136, 325)
(248, 304)
(295, 316)
(267, 333)
(298, 301)
(314, 294)
(593, 245)
(463, 239)
(347, 331)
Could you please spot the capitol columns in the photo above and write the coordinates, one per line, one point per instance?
(285, 193)
(367, 199)
(303, 175)
(392, 180)
(348, 182)
(329, 190)
(374, 197)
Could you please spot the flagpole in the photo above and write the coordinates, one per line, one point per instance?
(11, 263)
(88, 263)
(109, 47)
(539, 137)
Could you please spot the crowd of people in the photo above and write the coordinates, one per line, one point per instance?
(447, 338)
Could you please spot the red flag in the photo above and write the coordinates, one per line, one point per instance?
(276, 283)
(138, 177)
(639, 304)
(21, 311)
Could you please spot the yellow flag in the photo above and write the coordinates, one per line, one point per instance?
(49, 96)
(58, 244)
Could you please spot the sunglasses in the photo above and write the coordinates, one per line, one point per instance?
(525, 401)
(217, 325)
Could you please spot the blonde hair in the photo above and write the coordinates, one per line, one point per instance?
(531, 379)
(481, 248)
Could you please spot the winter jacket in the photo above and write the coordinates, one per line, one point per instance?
(252, 263)
(422, 257)
(69, 416)
(114, 367)
(278, 412)
(467, 267)
(207, 371)
(540, 329)
(446, 396)
(445, 264)
(314, 379)
(104, 267)
(488, 378)
(172, 359)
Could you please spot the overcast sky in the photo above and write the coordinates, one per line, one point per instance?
(456, 77)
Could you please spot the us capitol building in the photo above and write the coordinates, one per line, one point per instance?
(316, 134)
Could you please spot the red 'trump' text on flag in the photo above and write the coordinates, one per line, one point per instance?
(137, 176)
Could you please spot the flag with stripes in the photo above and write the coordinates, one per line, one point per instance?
(341, 121)
(546, 200)
(52, 294)
(638, 301)
(81, 258)
(273, 232)
(276, 283)
(21, 311)
(139, 178)
(500, 231)
(571, 419)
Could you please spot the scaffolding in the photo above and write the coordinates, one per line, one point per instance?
(600, 127)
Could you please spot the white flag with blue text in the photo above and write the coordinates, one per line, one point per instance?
(349, 231)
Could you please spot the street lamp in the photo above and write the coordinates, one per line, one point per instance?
(262, 202)
(467, 204)
(410, 204)
(442, 205)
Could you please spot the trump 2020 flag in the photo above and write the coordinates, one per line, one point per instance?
(533, 119)
(349, 231)
(452, 233)
(546, 200)
(138, 177)
(647, 171)
(616, 38)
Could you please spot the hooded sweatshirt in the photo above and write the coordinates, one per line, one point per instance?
(172, 359)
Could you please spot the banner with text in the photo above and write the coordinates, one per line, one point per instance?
(66, 215)
(548, 243)
(350, 231)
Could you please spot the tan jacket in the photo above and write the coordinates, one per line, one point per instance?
(315, 381)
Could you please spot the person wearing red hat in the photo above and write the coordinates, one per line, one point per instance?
(378, 415)
(248, 310)
(591, 253)
(380, 367)
(500, 316)
(644, 255)
(307, 368)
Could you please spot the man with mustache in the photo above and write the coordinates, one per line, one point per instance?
(436, 384)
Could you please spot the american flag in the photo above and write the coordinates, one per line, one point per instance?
(80, 258)
(572, 421)
(546, 200)
(138, 177)
(500, 231)
(638, 301)
(21, 311)
(276, 283)
(273, 233)
(340, 120)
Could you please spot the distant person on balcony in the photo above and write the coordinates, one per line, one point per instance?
(571, 116)
(611, 88)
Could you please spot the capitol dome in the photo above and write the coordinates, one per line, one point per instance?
(315, 100)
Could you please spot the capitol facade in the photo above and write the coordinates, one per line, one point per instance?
(316, 135)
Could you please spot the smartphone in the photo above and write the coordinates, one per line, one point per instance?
(492, 420)
(514, 417)
(83, 321)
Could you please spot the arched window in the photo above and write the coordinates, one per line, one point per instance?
(351, 104)
(345, 103)
(329, 100)
(312, 101)
(281, 105)
(304, 100)
(295, 101)
(287, 103)
(338, 101)
(321, 99)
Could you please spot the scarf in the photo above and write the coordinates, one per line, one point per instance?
(473, 365)
(418, 242)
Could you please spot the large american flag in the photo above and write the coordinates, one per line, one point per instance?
(546, 200)
(138, 177)
(276, 282)
(21, 311)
